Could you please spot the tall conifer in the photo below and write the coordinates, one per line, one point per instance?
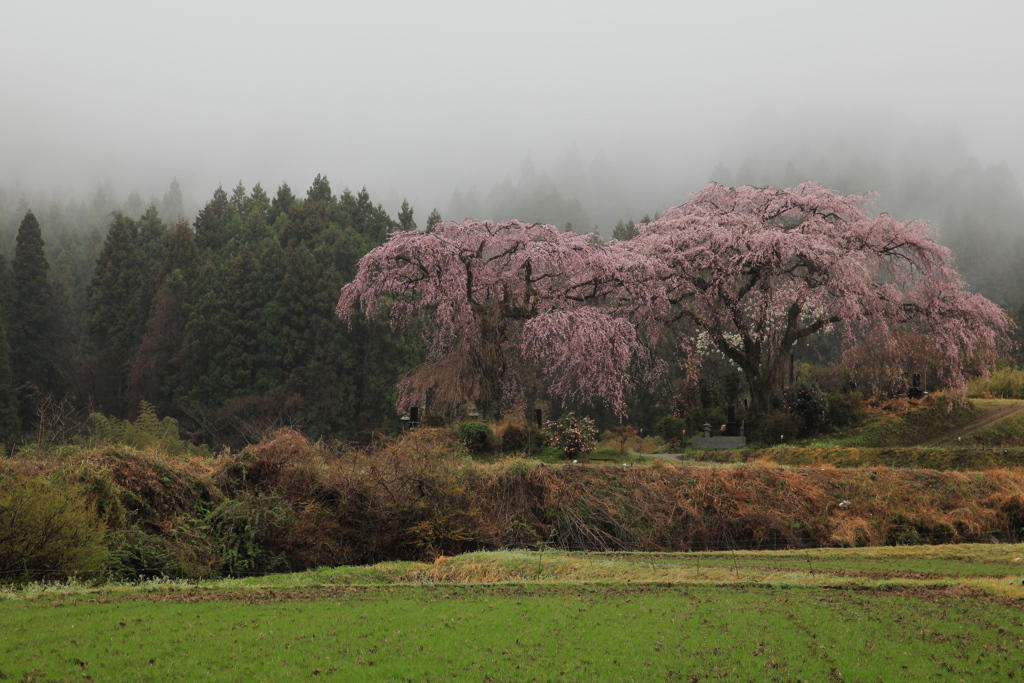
(31, 330)
(211, 224)
(238, 325)
(154, 375)
(9, 422)
(221, 352)
(115, 320)
(433, 219)
(180, 253)
(281, 203)
(150, 244)
(173, 206)
(303, 307)
(405, 218)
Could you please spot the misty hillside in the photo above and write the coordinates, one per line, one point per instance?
(916, 172)
(977, 210)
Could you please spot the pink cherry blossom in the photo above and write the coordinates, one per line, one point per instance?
(747, 271)
(754, 270)
(497, 297)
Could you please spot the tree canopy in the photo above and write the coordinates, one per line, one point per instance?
(755, 270)
(745, 272)
(495, 297)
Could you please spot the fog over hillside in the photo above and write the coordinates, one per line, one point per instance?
(576, 112)
(186, 187)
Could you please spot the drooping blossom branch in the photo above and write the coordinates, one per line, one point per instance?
(493, 297)
(755, 270)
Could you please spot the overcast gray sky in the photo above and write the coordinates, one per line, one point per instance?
(418, 97)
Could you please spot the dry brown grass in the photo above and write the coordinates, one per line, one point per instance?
(754, 506)
(421, 497)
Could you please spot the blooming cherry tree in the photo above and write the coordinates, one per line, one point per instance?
(750, 271)
(497, 298)
(755, 270)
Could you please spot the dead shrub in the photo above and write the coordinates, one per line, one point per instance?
(515, 438)
(126, 486)
(268, 466)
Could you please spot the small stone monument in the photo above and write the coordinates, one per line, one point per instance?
(733, 435)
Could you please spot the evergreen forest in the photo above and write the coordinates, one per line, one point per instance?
(223, 317)
(225, 323)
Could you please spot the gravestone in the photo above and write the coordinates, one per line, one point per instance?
(915, 390)
(731, 427)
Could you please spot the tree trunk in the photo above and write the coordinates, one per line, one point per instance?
(491, 361)
(763, 383)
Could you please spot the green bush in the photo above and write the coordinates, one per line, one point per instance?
(477, 437)
(672, 429)
(249, 532)
(1006, 382)
(845, 409)
(182, 551)
(147, 432)
(48, 532)
(806, 401)
(139, 555)
(778, 426)
(514, 439)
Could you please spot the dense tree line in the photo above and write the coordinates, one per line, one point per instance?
(223, 321)
(226, 324)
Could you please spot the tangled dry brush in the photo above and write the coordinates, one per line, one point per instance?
(288, 504)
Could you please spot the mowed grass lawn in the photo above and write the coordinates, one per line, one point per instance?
(699, 616)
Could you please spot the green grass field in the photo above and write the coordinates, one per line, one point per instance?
(889, 614)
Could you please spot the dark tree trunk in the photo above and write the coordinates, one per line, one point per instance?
(763, 383)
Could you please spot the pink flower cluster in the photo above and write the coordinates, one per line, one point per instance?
(574, 435)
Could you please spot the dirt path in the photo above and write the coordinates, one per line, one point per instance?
(1000, 410)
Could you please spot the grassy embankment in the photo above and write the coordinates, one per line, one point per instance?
(921, 613)
(288, 504)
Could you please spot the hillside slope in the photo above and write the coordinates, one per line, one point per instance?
(994, 425)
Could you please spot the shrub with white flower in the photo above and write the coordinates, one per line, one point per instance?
(574, 435)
